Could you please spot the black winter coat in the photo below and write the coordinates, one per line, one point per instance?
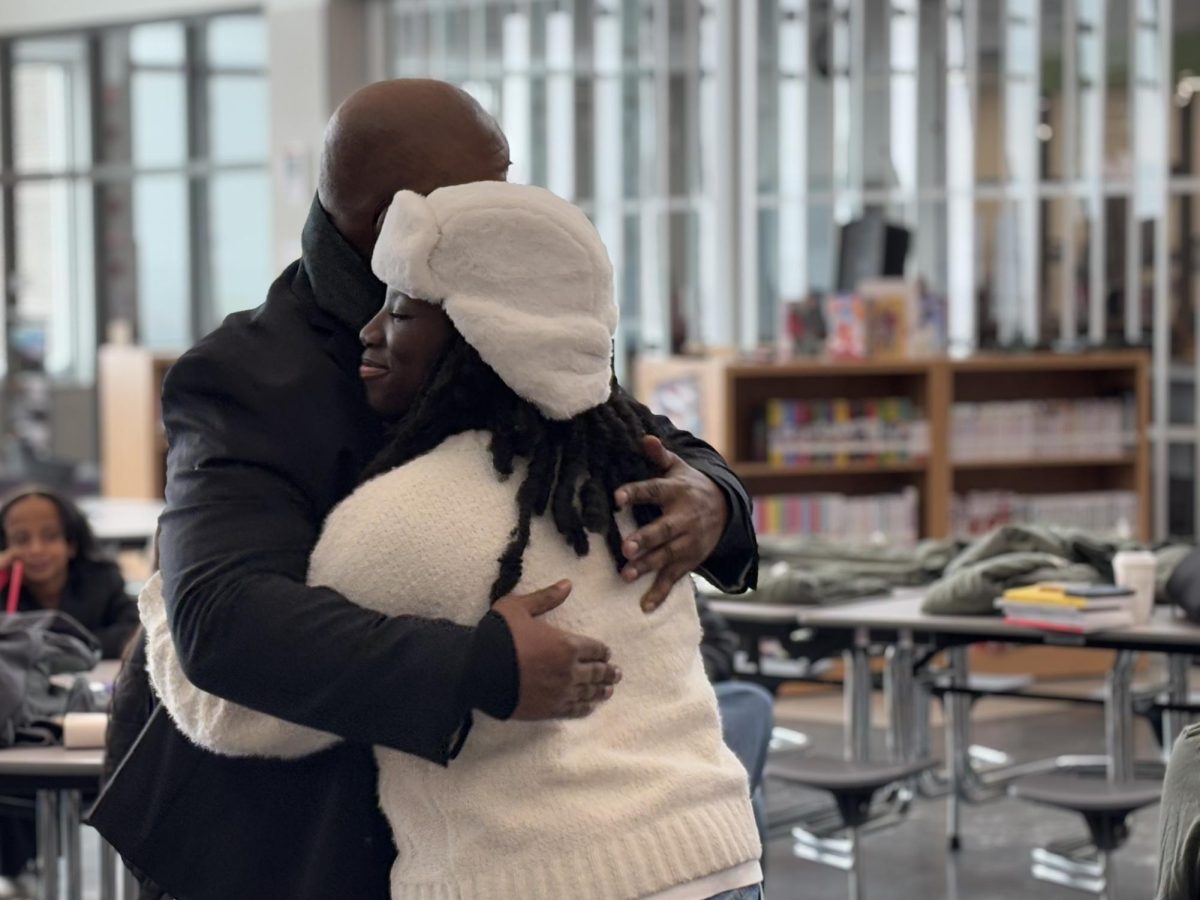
(268, 428)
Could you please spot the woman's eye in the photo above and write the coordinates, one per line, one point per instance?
(400, 317)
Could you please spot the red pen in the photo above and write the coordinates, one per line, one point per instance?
(14, 586)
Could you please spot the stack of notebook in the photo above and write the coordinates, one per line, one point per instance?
(1077, 608)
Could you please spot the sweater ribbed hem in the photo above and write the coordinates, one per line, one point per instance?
(688, 845)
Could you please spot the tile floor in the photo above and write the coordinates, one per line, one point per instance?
(910, 860)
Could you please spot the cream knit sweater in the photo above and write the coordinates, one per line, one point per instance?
(640, 796)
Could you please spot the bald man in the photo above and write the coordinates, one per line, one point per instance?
(268, 429)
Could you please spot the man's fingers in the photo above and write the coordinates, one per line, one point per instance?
(653, 492)
(597, 673)
(677, 554)
(658, 592)
(657, 452)
(588, 650)
(662, 530)
(541, 602)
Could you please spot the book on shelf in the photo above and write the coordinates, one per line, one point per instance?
(890, 307)
(976, 513)
(845, 326)
(1056, 428)
(854, 519)
(1074, 608)
(884, 318)
(839, 431)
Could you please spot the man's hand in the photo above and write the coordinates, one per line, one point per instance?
(563, 675)
(695, 512)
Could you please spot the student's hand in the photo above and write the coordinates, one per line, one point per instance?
(7, 558)
(563, 675)
(695, 512)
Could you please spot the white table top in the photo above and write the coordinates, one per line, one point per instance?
(738, 610)
(122, 520)
(905, 613)
(51, 761)
(745, 611)
(26, 760)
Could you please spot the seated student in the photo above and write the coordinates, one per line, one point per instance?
(51, 539)
(492, 354)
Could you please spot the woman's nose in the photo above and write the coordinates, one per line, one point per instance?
(372, 333)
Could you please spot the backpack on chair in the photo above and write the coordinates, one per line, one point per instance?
(36, 650)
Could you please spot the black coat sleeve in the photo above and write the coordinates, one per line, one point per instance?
(235, 540)
(733, 565)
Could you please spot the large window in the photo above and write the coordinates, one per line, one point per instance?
(615, 104)
(133, 167)
(1041, 153)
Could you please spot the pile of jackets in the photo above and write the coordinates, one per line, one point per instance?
(36, 650)
(962, 578)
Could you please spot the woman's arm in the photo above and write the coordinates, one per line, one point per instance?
(219, 725)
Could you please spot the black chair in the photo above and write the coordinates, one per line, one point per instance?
(1105, 807)
(853, 786)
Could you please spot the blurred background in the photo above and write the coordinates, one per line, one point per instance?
(1037, 162)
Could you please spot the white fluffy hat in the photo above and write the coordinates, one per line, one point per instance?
(524, 277)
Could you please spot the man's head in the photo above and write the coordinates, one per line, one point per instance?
(407, 134)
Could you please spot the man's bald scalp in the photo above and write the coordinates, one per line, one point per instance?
(406, 134)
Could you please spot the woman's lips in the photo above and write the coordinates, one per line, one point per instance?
(367, 371)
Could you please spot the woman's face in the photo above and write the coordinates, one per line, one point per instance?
(33, 530)
(400, 346)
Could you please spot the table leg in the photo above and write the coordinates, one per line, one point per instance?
(108, 871)
(68, 810)
(900, 692)
(1118, 717)
(958, 742)
(47, 840)
(856, 697)
(1177, 692)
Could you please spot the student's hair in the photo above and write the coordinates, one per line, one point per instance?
(575, 466)
(76, 530)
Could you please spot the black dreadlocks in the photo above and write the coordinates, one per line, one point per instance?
(574, 466)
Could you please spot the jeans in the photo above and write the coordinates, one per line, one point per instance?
(747, 717)
(754, 892)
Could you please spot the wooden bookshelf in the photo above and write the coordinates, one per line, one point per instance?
(133, 448)
(721, 399)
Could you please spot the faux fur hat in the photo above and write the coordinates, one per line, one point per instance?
(524, 277)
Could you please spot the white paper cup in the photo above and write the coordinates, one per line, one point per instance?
(1135, 569)
(84, 730)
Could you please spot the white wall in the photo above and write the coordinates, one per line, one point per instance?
(26, 16)
(318, 57)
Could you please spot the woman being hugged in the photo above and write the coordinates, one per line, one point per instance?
(492, 354)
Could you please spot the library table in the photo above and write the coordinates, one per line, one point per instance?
(122, 521)
(899, 623)
(60, 779)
